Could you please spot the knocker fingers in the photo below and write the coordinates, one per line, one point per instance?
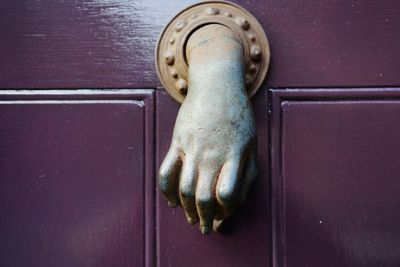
(249, 174)
(205, 199)
(169, 177)
(226, 190)
(187, 189)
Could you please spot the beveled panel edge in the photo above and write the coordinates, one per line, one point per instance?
(334, 93)
(276, 97)
(77, 94)
(145, 98)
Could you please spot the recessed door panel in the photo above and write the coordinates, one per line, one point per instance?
(336, 178)
(73, 171)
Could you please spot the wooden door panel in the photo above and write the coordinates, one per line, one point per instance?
(336, 166)
(110, 44)
(66, 175)
(246, 238)
(75, 167)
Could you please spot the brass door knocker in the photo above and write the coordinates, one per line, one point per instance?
(212, 57)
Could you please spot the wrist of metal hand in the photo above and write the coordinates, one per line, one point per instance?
(216, 72)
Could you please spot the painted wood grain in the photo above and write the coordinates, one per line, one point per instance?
(110, 43)
(335, 167)
(76, 178)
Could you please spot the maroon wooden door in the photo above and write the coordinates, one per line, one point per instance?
(84, 126)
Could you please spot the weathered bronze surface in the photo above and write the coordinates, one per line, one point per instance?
(211, 162)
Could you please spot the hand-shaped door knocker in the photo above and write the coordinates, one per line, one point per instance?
(211, 57)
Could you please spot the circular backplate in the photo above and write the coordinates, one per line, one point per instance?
(172, 67)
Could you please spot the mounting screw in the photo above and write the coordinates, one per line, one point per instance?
(174, 74)
(169, 58)
(182, 85)
(252, 68)
(211, 11)
(243, 23)
(227, 14)
(255, 52)
(252, 37)
(180, 25)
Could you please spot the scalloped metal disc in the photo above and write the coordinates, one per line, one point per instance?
(172, 67)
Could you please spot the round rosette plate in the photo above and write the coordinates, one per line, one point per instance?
(172, 66)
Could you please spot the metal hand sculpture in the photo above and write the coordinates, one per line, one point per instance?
(211, 163)
(213, 56)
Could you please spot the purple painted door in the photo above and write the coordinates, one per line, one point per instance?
(76, 177)
(78, 155)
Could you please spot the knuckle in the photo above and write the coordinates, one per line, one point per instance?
(163, 173)
(204, 200)
(224, 195)
(163, 184)
(186, 191)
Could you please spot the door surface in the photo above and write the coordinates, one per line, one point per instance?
(84, 125)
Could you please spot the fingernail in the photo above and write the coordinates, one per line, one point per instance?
(205, 229)
(172, 204)
(217, 225)
(191, 220)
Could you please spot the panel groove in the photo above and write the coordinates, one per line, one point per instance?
(106, 126)
(353, 100)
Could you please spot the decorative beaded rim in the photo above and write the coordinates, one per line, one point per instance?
(171, 63)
